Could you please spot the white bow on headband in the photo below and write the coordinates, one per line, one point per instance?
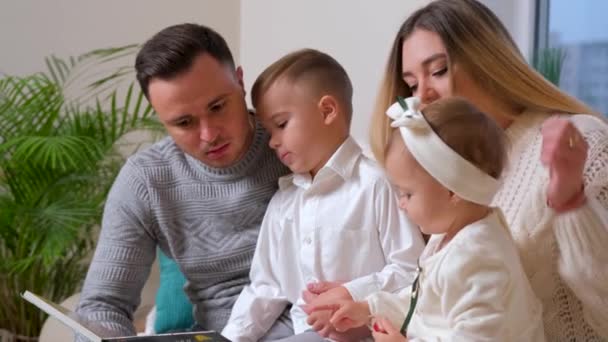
(405, 113)
(437, 158)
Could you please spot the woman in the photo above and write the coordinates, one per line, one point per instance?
(555, 191)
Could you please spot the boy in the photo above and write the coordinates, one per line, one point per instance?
(335, 218)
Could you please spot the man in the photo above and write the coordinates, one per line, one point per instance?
(199, 194)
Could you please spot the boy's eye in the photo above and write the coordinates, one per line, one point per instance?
(404, 194)
(282, 124)
(413, 88)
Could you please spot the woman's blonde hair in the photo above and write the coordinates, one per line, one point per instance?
(479, 43)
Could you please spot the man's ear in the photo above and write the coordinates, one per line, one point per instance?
(239, 77)
(328, 106)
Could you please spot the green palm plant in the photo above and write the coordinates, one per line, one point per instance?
(58, 159)
(548, 62)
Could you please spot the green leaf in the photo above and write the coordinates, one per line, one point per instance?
(548, 62)
(58, 160)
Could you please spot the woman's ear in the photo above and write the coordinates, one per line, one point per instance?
(328, 106)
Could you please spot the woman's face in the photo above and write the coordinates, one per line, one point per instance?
(426, 69)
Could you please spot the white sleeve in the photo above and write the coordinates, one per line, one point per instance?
(262, 301)
(472, 283)
(582, 234)
(392, 306)
(401, 243)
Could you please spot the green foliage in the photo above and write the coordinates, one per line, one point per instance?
(548, 62)
(58, 159)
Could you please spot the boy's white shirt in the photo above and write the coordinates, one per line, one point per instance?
(344, 226)
(473, 289)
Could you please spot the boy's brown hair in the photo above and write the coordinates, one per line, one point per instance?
(469, 132)
(319, 70)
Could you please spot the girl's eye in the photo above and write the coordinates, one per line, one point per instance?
(282, 124)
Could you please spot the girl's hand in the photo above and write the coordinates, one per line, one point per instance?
(347, 314)
(563, 152)
(384, 331)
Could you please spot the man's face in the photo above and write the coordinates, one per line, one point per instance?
(204, 111)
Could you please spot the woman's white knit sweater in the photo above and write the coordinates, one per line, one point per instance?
(564, 255)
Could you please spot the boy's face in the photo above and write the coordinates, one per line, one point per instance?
(425, 201)
(297, 125)
(204, 111)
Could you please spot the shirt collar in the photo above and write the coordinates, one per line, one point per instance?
(341, 163)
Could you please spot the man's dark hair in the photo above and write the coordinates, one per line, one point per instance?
(173, 50)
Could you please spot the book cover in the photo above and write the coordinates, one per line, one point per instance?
(95, 332)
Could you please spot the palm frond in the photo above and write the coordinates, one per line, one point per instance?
(58, 160)
(548, 62)
(56, 152)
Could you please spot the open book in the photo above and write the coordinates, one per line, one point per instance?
(95, 332)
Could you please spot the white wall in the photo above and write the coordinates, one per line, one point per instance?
(33, 29)
(358, 33)
(518, 16)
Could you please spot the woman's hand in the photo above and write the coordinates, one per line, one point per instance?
(564, 153)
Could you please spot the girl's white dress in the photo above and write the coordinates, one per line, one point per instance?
(473, 289)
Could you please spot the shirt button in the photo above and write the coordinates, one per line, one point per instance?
(307, 240)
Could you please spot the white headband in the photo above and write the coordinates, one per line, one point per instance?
(438, 159)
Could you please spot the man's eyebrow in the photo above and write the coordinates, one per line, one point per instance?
(216, 99)
(179, 118)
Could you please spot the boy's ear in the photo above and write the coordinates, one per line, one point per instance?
(328, 106)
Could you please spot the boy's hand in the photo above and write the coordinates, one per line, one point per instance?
(327, 297)
(384, 331)
(318, 294)
(319, 321)
(313, 290)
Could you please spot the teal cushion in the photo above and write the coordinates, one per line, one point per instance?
(173, 307)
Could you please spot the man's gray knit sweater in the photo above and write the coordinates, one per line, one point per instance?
(207, 219)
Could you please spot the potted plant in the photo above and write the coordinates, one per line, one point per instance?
(58, 159)
(548, 62)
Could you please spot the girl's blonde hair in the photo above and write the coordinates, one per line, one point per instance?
(479, 43)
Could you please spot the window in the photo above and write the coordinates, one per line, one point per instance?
(580, 30)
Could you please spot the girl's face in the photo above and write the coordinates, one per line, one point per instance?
(427, 203)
